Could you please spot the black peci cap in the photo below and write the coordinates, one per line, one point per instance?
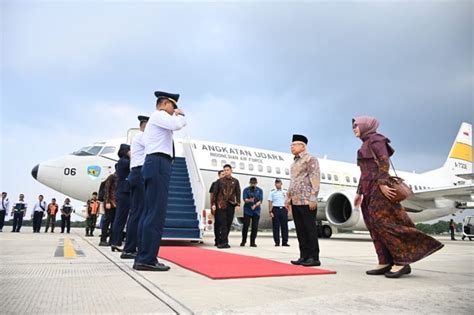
(253, 179)
(143, 118)
(170, 96)
(300, 138)
(277, 180)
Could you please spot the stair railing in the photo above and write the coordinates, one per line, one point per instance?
(197, 181)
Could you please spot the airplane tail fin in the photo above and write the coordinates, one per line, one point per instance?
(459, 160)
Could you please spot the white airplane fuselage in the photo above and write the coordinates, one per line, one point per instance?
(79, 174)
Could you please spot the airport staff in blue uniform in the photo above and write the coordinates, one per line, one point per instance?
(156, 171)
(253, 198)
(122, 194)
(278, 213)
(137, 191)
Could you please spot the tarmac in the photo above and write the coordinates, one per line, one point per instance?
(68, 273)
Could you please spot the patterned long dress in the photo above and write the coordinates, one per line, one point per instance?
(395, 237)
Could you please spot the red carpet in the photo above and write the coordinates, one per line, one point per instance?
(223, 265)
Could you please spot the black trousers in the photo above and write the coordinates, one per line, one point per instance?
(137, 206)
(109, 217)
(452, 233)
(225, 217)
(280, 222)
(91, 222)
(121, 216)
(2, 219)
(245, 229)
(37, 220)
(306, 231)
(217, 232)
(17, 221)
(65, 223)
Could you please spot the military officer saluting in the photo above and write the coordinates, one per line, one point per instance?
(137, 191)
(156, 171)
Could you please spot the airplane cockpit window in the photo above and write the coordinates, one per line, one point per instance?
(260, 168)
(278, 171)
(87, 151)
(269, 169)
(214, 162)
(108, 150)
(250, 167)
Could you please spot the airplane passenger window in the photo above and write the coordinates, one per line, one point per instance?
(336, 178)
(416, 187)
(260, 168)
(250, 167)
(214, 162)
(348, 179)
(354, 180)
(323, 176)
(233, 164)
(223, 162)
(410, 186)
(329, 177)
(108, 150)
(287, 171)
(269, 169)
(278, 170)
(242, 165)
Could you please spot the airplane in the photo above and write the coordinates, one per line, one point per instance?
(437, 193)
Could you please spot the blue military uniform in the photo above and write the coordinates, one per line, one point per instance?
(122, 195)
(280, 215)
(156, 171)
(137, 193)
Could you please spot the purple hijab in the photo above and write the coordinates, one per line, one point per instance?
(367, 126)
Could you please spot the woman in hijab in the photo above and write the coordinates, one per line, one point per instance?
(397, 242)
(122, 193)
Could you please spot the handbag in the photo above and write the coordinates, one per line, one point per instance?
(402, 190)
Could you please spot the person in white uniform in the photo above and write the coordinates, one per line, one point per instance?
(156, 171)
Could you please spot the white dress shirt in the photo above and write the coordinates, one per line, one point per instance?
(137, 151)
(5, 205)
(158, 135)
(37, 206)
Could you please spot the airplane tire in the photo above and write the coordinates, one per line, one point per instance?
(326, 231)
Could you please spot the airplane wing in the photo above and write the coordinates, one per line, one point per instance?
(457, 193)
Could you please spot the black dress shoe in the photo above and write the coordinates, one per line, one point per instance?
(404, 271)
(145, 267)
(102, 243)
(242, 244)
(253, 245)
(116, 248)
(277, 245)
(126, 255)
(287, 245)
(298, 262)
(223, 246)
(311, 262)
(378, 272)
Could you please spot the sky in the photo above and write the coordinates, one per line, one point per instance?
(249, 73)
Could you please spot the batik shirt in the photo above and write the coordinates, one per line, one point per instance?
(304, 185)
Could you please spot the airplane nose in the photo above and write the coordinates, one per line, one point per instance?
(34, 171)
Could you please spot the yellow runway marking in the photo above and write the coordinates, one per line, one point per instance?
(69, 250)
